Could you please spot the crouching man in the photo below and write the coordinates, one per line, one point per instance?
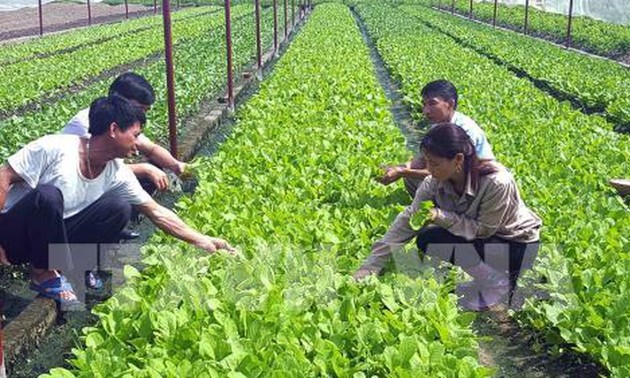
(62, 189)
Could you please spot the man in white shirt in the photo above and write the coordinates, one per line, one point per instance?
(64, 190)
(139, 92)
(439, 105)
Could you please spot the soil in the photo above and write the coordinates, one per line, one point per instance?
(61, 16)
(517, 352)
(401, 112)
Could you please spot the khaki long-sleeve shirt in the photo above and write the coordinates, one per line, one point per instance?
(492, 207)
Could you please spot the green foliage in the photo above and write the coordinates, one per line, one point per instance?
(596, 83)
(200, 75)
(292, 186)
(26, 82)
(422, 216)
(592, 35)
(174, 3)
(561, 160)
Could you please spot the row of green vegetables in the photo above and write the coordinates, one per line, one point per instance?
(53, 43)
(200, 75)
(29, 81)
(596, 83)
(292, 186)
(174, 3)
(561, 159)
(592, 35)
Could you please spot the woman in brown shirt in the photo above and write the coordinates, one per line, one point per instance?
(478, 221)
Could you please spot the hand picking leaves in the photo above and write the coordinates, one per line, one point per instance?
(422, 216)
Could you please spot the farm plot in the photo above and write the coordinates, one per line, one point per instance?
(200, 75)
(558, 156)
(292, 186)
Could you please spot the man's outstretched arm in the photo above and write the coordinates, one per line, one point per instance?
(169, 222)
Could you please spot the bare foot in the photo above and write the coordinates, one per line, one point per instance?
(3, 257)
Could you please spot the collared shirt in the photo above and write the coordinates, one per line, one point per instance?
(492, 207)
(476, 135)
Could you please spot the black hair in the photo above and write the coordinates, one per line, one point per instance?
(113, 109)
(446, 140)
(443, 89)
(133, 87)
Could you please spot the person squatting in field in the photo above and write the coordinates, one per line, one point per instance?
(139, 92)
(439, 105)
(60, 191)
(478, 220)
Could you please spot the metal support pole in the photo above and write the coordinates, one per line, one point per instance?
(494, 18)
(292, 14)
(155, 6)
(569, 23)
(470, 11)
(41, 19)
(453, 7)
(89, 13)
(526, 17)
(228, 40)
(127, 9)
(258, 44)
(286, 18)
(275, 27)
(170, 76)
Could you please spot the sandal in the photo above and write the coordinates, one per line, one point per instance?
(54, 288)
(3, 257)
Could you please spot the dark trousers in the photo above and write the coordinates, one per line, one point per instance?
(34, 228)
(501, 254)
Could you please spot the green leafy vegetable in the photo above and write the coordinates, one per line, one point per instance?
(422, 216)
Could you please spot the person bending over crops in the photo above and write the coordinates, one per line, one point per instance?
(467, 212)
(63, 190)
(137, 90)
(439, 104)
